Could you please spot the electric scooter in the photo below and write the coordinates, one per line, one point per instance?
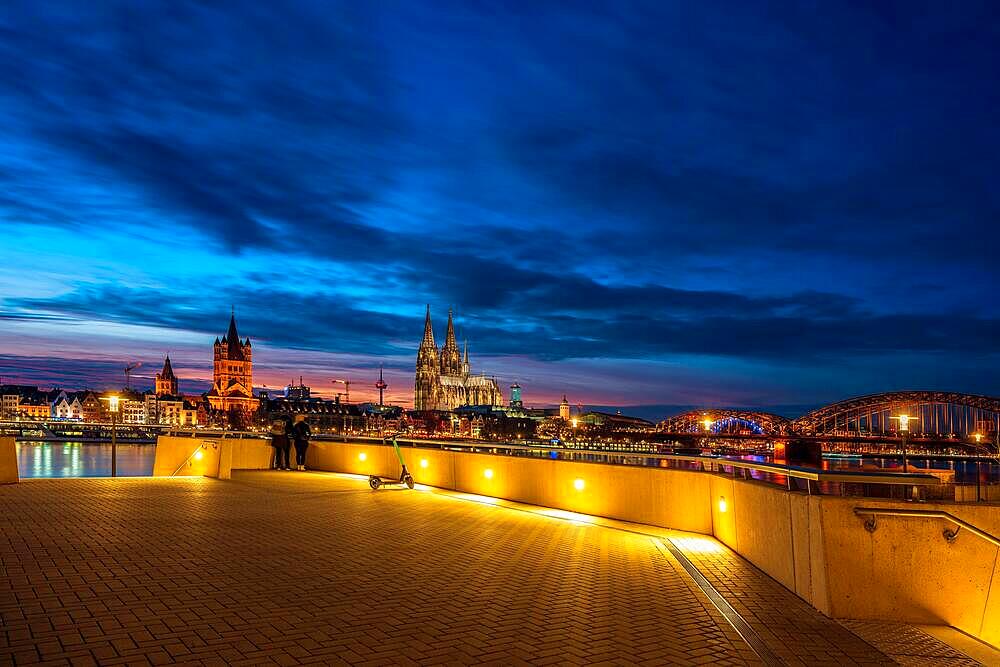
(376, 481)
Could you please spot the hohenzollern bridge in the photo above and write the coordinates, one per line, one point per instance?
(921, 413)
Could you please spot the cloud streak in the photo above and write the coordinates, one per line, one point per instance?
(658, 182)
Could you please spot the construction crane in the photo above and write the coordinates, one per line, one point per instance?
(347, 388)
(129, 367)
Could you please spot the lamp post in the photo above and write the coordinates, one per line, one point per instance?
(979, 464)
(113, 409)
(904, 428)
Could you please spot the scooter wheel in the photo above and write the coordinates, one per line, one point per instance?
(374, 482)
(409, 481)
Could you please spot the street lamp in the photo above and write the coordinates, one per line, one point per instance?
(113, 409)
(904, 427)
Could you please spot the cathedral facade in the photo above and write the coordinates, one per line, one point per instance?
(444, 379)
(232, 376)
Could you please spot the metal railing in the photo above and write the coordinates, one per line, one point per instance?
(899, 486)
(871, 524)
(846, 483)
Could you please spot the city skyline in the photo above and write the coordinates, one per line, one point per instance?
(706, 207)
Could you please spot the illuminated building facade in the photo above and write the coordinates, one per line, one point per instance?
(515, 396)
(444, 379)
(232, 377)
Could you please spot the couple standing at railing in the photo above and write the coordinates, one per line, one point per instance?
(284, 432)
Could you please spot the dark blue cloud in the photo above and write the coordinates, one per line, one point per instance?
(640, 180)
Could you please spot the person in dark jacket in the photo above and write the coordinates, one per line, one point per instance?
(301, 434)
(281, 434)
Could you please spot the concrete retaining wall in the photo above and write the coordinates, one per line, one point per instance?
(184, 456)
(668, 497)
(8, 460)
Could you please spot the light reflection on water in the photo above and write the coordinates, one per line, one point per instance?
(74, 459)
(965, 470)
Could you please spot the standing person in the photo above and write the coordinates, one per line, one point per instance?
(281, 432)
(301, 434)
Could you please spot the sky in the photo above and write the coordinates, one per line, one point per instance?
(630, 203)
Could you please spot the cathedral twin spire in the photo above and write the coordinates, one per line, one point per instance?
(449, 359)
(428, 330)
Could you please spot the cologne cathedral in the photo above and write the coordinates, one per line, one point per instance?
(444, 380)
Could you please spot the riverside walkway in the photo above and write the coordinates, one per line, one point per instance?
(297, 568)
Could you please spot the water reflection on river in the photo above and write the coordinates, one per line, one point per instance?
(965, 470)
(74, 459)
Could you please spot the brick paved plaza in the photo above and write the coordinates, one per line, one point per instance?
(293, 568)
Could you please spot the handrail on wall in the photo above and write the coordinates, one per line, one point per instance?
(949, 535)
(845, 476)
(811, 474)
(204, 444)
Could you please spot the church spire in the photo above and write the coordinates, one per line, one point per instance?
(451, 358)
(428, 330)
(232, 339)
(231, 335)
(450, 336)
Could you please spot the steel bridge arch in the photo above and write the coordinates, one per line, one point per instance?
(933, 409)
(693, 421)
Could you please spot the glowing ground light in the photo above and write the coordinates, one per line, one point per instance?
(578, 484)
(423, 463)
(722, 504)
(488, 473)
(362, 456)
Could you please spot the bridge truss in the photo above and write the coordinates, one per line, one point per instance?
(727, 422)
(932, 413)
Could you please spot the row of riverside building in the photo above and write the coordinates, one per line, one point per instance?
(448, 399)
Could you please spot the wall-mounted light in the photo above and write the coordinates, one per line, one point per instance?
(578, 484)
(362, 456)
(198, 455)
(722, 504)
(488, 473)
(423, 463)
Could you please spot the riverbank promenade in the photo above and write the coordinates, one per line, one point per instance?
(316, 568)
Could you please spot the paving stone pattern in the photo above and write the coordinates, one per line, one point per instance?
(909, 645)
(297, 568)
